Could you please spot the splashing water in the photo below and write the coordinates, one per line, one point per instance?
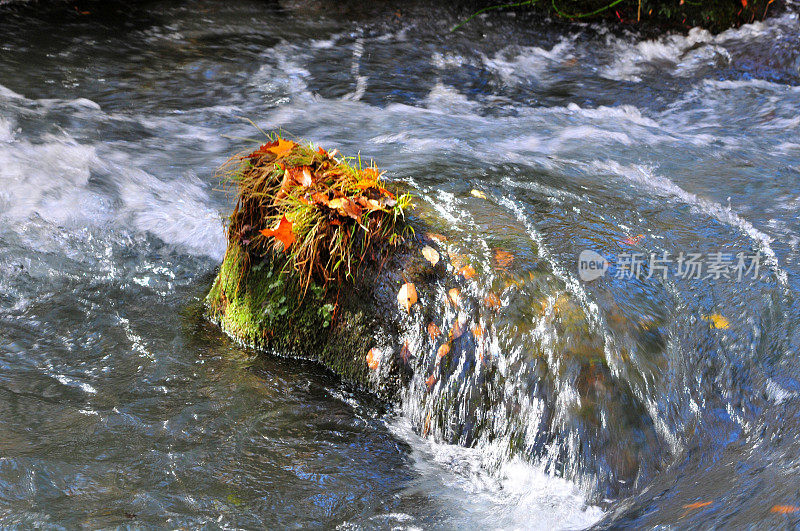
(561, 403)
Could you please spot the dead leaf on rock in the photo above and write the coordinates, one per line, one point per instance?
(373, 358)
(282, 148)
(431, 255)
(478, 194)
(503, 259)
(282, 233)
(443, 351)
(455, 296)
(407, 296)
(467, 272)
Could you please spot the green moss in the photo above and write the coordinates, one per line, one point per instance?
(260, 306)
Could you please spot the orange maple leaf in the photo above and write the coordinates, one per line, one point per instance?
(283, 233)
(263, 150)
(784, 509)
(283, 147)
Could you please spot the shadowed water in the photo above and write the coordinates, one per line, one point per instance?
(614, 401)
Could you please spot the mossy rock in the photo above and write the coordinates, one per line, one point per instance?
(262, 307)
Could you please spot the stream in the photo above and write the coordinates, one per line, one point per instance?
(630, 400)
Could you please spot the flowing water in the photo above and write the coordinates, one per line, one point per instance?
(638, 401)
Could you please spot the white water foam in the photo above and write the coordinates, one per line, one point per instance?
(517, 495)
(70, 184)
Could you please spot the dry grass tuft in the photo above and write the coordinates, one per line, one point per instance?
(324, 213)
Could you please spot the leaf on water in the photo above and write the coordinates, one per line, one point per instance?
(697, 505)
(455, 296)
(478, 194)
(492, 301)
(405, 353)
(430, 254)
(282, 233)
(435, 237)
(784, 509)
(407, 296)
(633, 240)
(434, 331)
(467, 272)
(282, 148)
(373, 358)
(503, 259)
(717, 320)
(459, 327)
(443, 351)
(427, 426)
(431, 381)
(477, 331)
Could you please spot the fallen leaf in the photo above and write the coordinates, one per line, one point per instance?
(283, 233)
(633, 240)
(431, 381)
(443, 351)
(407, 296)
(346, 207)
(478, 194)
(282, 148)
(717, 320)
(477, 331)
(373, 358)
(430, 254)
(457, 261)
(405, 352)
(784, 509)
(459, 327)
(467, 272)
(492, 301)
(435, 237)
(697, 505)
(434, 331)
(262, 150)
(426, 427)
(503, 259)
(744, 3)
(455, 296)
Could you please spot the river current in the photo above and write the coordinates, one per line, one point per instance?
(120, 406)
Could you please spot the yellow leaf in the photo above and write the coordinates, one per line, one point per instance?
(455, 296)
(283, 147)
(443, 351)
(467, 271)
(717, 320)
(479, 194)
(407, 296)
(430, 254)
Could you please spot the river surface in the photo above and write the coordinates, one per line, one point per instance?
(666, 400)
